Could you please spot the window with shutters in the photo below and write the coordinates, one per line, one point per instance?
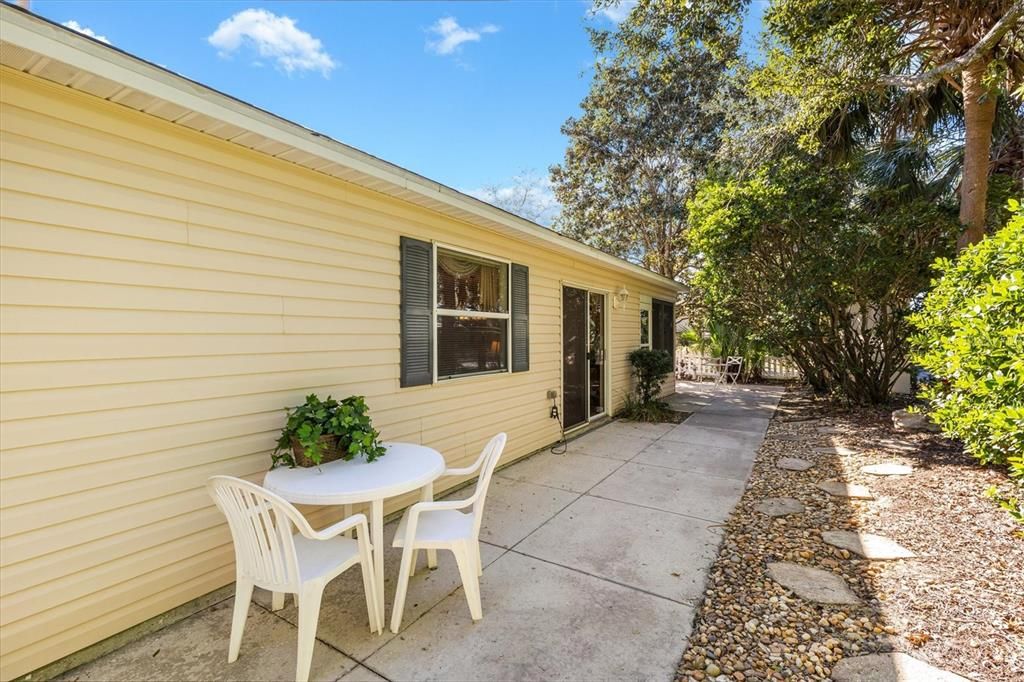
(472, 314)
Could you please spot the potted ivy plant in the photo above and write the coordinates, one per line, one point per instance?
(320, 431)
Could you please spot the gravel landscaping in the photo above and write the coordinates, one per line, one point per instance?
(955, 601)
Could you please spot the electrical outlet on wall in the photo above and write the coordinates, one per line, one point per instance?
(552, 394)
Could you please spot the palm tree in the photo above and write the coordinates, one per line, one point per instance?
(976, 48)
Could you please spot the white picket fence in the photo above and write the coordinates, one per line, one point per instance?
(700, 367)
(780, 368)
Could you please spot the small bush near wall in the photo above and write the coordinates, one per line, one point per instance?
(970, 336)
(649, 369)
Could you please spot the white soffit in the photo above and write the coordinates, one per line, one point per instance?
(36, 46)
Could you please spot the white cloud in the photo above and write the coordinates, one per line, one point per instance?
(451, 36)
(273, 37)
(85, 30)
(616, 12)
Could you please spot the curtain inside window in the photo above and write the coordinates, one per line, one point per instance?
(466, 283)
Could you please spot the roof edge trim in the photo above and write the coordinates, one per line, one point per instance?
(42, 36)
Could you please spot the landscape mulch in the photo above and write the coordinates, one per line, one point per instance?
(959, 605)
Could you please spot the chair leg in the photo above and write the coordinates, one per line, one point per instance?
(427, 495)
(309, 614)
(243, 595)
(366, 568)
(479, 563)
(466, 560)
(412, 564)
(403, 586)
(276, 601)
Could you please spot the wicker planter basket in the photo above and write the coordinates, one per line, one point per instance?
(330, 451)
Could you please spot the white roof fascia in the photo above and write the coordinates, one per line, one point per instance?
(42, 37)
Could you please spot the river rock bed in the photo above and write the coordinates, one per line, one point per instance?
(956, 605)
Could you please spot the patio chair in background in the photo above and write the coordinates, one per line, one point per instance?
(733, 368)
(270, 555)
(441, 525)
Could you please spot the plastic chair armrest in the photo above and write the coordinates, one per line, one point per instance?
(334, 530)
(462, 471)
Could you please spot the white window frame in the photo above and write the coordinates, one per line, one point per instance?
(645, 304)
(447, 312)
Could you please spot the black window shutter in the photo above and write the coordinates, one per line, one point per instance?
(520, 318)
(416, 312)
(663, 325)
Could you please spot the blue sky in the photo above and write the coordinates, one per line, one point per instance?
(467, 93)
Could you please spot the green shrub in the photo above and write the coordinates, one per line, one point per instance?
(689, 337)
(655, 411)
(970, 336)
(649, 369)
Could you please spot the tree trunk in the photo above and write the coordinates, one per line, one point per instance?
(979, 115)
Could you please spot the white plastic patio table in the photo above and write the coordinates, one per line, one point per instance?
(404, 468)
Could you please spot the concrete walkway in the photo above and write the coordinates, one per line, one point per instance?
(594, 562)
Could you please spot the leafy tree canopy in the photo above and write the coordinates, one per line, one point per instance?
(940, 73)
(650, 127)
(812, 259)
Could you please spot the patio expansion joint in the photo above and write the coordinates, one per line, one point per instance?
(684, 602)
(687, 471)
(713, 522)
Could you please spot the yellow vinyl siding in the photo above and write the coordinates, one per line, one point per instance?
(163, 295)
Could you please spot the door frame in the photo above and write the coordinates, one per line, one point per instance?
(606, 375)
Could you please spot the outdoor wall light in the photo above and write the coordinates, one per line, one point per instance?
(621, 296)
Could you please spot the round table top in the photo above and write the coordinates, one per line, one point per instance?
(405, 467)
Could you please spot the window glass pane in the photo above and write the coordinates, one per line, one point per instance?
(470, 283)
(466, 345)
(645, 327)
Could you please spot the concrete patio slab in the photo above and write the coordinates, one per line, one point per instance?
(362, 674)
(655, 551)
(516, 509)
(621, 427)
(683, 492)
(733, 419)
(197, 649)
(573, 472)
(714, 437)
(541, 622)
(343, 620)
(701, 459)
(621, 447)
(590, 562)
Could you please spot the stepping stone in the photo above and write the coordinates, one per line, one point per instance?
(893, 667)
(912, 422)
(812, 584)
(835, 450)
(793, 464)
(779, 506)
(851, 490)
(896, 445)
(867, 545)
(887, 469)
(830, 429)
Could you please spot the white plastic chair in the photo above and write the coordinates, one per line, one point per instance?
(269, 555)
(733, 368)
(441, 525)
